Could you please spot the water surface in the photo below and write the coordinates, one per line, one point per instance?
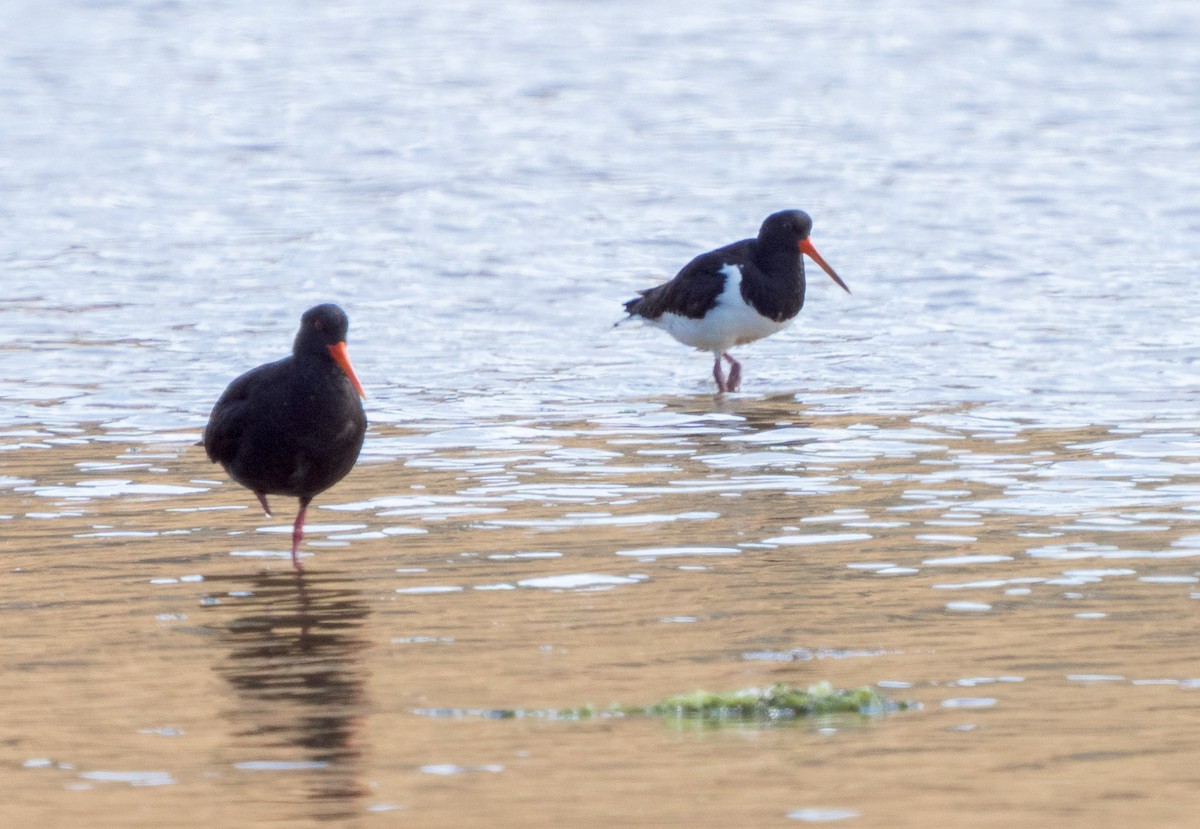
(972, 482)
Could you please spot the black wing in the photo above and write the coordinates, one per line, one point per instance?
(694, 290)
(232, 415)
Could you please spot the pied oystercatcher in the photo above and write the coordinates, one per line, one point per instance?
(736, 294)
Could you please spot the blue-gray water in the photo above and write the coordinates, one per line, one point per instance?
(1009, 189)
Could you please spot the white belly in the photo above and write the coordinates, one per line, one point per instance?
(732, 321)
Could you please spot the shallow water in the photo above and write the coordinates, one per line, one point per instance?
(972, 482)
(1034, 590)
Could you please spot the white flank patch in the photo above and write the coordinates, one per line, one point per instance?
(732, 321)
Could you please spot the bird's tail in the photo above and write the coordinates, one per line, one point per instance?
(631, 310)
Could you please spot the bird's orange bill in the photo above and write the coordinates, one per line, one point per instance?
(807, 247)
(338, 352)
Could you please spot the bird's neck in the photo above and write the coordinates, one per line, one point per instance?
(311, 350)
(780, 262)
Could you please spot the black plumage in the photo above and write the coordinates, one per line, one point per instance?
(295, 426)
(701, 307)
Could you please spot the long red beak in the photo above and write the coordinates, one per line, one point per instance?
(807, 247)
(338, 352)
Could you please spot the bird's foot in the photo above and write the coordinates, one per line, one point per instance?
(262, 499)
(298, 535)
(734, 382)
(719, 376)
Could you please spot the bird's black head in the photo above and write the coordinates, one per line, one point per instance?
(322, 336)
(322, 326)
(786, 226)
(788, 230)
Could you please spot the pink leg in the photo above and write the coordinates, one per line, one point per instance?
(298, 534)
(719, 375)
(735, 373)
(262, 499)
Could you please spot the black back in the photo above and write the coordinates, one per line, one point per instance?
(294, 426)
(771, 267)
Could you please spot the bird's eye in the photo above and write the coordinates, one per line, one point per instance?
(317, 325)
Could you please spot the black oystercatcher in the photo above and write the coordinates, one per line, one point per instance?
(736, 294)
(295, 426)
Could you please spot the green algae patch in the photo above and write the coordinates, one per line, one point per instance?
(779, 702)
(773, 703)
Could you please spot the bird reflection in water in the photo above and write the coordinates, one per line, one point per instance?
(295, 662)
